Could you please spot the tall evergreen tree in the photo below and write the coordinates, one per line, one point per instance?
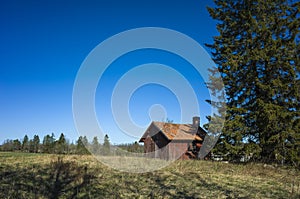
(257, 54)
(36, 143)
(48, 143)
(95, 147)
(31, 146)
(106, 145)
(17, 145)
(25, 144)
(61, 144)
(82, 144)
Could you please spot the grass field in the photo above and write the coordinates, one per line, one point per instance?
(52, 176)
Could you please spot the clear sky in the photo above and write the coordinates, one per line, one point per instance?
(43, 44)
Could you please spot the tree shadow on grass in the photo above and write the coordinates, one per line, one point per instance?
(58, 179)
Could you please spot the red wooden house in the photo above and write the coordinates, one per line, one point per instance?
(173, 141)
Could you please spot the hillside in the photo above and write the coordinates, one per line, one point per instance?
(52, 176)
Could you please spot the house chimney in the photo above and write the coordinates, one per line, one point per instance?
(196, 121)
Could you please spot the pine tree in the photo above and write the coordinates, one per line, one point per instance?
(36, 143)
(61, 144)
(106, 145)
(17, 145)
(25, 144)
(48, 143)
(257, 54)
(31, 146)
(82, 145)
(95, 145)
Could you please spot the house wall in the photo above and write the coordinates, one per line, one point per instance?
(149, 146)
(162, 153)
(169, 151)
(156, 150)
(177, 150)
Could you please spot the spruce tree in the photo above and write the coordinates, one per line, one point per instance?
(106, 145)
(82, 145)
(257, 54)
(95, 147)
(25, 144)
(36, 143)
(48, 143)
(61, 144)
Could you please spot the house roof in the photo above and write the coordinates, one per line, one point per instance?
(174, 131)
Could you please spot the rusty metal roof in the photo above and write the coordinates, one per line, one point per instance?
(175, 131)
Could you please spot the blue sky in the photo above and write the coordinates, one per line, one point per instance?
(43, 44)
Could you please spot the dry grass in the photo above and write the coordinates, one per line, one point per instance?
(53, 176)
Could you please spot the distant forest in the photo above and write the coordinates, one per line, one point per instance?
(61, 145)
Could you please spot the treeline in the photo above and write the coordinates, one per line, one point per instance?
(132, 147)
(62, 145)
